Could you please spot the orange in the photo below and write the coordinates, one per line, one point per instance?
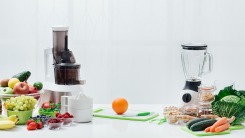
(120, 105)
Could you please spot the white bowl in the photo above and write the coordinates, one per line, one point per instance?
(81, 115)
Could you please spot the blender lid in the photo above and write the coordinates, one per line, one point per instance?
(192, 46)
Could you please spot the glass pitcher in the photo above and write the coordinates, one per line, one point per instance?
(194, 59)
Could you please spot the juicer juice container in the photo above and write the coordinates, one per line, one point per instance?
(67, 74)
(196, 62)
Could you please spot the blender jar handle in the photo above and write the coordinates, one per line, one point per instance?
(210, 63)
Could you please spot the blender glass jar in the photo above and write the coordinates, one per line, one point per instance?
(194, 58)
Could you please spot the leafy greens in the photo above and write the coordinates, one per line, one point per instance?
(228, 109)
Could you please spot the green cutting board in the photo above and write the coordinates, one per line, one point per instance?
(202, 133)
(109, 113)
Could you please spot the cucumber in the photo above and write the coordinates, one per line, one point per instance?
(22, 76)
(199, 126)
(190, 123)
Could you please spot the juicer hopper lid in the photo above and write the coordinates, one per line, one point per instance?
(194, 46)
(60, 28)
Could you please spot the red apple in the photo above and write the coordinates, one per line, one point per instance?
(48, 105)
(21, 88)
(32, 89)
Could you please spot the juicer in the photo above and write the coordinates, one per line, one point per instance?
(62, 73)
(196, 62)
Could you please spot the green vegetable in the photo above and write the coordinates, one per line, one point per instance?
(227, 109)
(22, 76)
(51, 114)
(231, 99)
(190, 123)
(240, 118)
(230, 102)
(202, 125)
(50, 111)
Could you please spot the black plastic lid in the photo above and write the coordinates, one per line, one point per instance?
(191, 46)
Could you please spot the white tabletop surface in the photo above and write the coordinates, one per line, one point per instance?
(112, 128)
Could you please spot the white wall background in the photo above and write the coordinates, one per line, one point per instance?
(128, 48)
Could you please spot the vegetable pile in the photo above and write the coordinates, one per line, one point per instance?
(219, 126)
(230, 102)
(49, 109)
(210, 125)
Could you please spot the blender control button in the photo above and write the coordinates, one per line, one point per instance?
(186, 97)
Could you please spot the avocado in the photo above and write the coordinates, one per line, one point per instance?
(22, 76)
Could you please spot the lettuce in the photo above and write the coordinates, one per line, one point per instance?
(225, 106)
(231, 99)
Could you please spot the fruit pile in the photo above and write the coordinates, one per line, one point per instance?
(18, 84)
(68, 118)
(55, 120)
(8, 122)
(33, 125)
(20, 103)
(65, 115)
(55, 123)
(42, 118)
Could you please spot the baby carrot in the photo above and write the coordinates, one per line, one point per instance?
(220, 122)
(207, 129)
(222, 127)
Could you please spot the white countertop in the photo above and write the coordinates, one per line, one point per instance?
(112, 128)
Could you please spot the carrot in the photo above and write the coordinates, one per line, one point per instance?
(207, 129)
(222, 127)
(220, 122)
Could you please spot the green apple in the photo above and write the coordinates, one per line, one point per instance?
(7, 90)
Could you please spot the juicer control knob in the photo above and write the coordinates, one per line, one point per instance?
(186, 97)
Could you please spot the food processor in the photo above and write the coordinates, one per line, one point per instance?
(62, 73)
(196, 62)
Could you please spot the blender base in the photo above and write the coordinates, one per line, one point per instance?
(190, 92)
(192, 85)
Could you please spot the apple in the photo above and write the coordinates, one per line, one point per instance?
(32, 89)
(7, 90)
(47, 105)
(21, 88)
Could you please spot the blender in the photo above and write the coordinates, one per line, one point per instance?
(196, 62)
(62, 73)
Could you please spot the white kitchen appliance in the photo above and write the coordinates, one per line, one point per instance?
(195, 59)
(62, 73)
